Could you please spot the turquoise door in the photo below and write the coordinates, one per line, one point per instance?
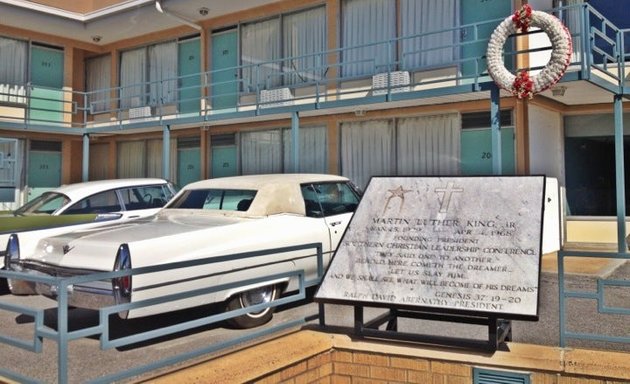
(224, 161)
(189, 68)
(478, 11)
(188, 161)
(224, 91)
(46, 103)
(477, 151)
(44, 172)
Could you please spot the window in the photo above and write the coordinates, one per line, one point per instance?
(270, 151)
(422, 145)
(140, 158)
(304, 40)
(300, 37)
(46, 203)
(98, 83)
(329, 199)
(422, 44)
(148, 75)
(103, 202)
(369, 35)
(216, 199)
(145, 197)
(312, 151)
(367, 25)
(13, 70)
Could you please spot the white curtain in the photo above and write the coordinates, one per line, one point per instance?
(425, 18)
(312, 151)
(163, 73)
(131, 155)
(154, 158)
(304, 34)
(365, 22)
(99, 161)
(133, 78)
(260, 43)
(13, 58)
(98, 78)
(261, 152)
(367, 149)
(429, 145)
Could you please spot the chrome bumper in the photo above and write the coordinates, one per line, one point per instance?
(92, 296)
(89, 295)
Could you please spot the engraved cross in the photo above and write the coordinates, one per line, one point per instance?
(447, 193)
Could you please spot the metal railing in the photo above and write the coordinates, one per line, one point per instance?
(63, 335)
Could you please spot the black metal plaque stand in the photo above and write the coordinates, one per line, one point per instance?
(499, 330)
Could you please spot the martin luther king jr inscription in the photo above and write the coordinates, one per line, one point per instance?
(456, 243)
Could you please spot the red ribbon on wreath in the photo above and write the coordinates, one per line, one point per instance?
(522, 18)
(523, 85)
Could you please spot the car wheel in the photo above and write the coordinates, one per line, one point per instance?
(249, 298)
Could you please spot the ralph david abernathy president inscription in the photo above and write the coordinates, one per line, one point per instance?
(456, 243)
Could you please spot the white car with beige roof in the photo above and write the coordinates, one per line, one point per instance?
(206, 219)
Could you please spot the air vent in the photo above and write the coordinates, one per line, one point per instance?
(276, 98)
(486, 376)
(139, 112)
(397, 81)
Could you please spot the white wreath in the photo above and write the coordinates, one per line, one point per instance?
(522, 85)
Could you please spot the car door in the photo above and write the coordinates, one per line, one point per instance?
(334, 203)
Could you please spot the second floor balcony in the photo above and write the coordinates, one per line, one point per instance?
(432, 67)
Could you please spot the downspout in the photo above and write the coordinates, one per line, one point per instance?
(162, 10)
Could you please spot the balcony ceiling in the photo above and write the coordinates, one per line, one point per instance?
(115, 20)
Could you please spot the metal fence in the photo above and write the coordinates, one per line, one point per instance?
(62, 336)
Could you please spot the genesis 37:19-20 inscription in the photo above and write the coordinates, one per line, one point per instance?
(458, 243)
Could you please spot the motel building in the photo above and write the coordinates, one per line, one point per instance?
(196, 89)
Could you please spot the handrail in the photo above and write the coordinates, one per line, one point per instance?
(63, 335)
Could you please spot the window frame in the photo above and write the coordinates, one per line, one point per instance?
(251, 86)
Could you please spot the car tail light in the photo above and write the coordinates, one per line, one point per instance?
(12, 255)
(122, 285)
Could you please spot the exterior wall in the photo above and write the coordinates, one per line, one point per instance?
(317, 357)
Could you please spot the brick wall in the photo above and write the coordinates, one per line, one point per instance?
(356, 367)
(306, 357)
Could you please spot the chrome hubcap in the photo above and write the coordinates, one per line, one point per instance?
(257, 296)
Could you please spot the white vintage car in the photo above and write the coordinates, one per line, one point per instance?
(108, 201)
(209, 218)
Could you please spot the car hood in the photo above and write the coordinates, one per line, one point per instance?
(96, 249)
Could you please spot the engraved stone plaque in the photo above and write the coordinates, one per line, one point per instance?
(452, 244)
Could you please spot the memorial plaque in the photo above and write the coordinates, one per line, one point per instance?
(451, 244)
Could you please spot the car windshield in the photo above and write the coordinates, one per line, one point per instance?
(217, 199)
(44, 204)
